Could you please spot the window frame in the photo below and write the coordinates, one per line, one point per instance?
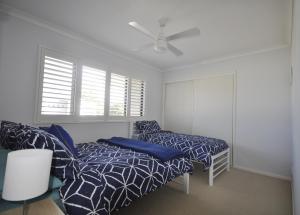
(75, 116)
(144, 99)
(88, 118)
(114, 117)
(54, 118)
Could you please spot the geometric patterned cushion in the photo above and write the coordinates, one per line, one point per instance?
(146, 126)
(64, 164)
(18, 136)
(59, 132)
(8, 134)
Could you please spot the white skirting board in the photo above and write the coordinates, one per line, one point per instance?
(287, 178)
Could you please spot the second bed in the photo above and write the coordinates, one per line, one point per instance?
(212, 153)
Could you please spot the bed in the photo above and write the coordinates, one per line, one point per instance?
(212, 153)
(103, 177)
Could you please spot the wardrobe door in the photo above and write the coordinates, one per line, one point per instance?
(213, 107)
(178, 115)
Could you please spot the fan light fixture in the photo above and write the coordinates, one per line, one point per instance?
(161, 43)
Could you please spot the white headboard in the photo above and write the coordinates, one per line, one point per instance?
(132, 130)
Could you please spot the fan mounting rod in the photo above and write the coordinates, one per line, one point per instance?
(161, 42)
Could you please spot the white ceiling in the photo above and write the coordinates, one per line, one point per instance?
(228, 27)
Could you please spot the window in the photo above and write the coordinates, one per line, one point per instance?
(137, 98)
(118, 95)
(57, 88)
(70, 91)
(92, 92)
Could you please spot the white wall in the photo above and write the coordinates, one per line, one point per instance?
(263, 122)
(263, 134)
(19, 41)
(296, 107)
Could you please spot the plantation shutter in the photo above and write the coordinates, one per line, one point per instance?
(118, 95)
(92, 92)
(57, 86)
(137, 98)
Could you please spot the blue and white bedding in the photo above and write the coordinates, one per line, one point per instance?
(103, 177)
(123, 176)
(157, 151)
(197, 148)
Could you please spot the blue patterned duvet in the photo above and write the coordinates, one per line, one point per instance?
(198, 148)
(113, 177)
(103, 177)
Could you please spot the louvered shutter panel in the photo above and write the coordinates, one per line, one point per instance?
(92, 92)
(137, 98)
(57, 87)
(118, 95)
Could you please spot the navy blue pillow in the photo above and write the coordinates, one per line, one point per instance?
(59, 132)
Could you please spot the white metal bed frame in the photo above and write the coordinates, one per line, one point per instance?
(184, 180)
(219, 162)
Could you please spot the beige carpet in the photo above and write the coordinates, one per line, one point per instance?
(234, 193)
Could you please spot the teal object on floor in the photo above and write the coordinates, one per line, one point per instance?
(54, 185)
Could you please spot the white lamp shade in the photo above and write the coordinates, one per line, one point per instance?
(27, 174)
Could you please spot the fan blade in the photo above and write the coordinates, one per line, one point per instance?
(174, 50)
(143, 47)
(184, 34)
(142, 29)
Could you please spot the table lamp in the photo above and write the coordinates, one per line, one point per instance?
(27, 174)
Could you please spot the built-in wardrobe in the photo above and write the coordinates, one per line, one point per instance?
(203, 106)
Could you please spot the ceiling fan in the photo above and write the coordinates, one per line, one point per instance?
(161, 43)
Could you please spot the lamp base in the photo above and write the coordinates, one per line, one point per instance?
(24, 208)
